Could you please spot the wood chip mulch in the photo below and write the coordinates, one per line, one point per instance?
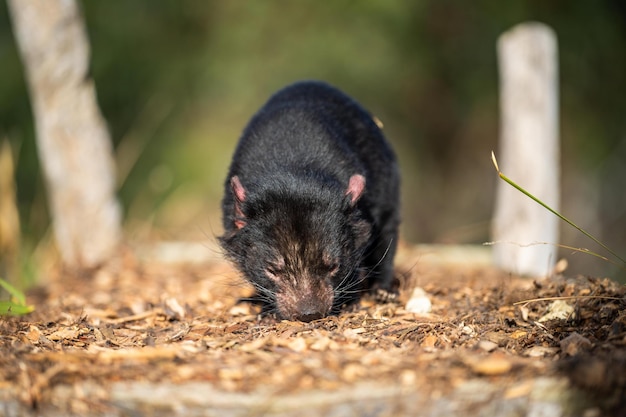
(148, 321)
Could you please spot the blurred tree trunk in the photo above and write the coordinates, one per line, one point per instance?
(9, 216)
(73, 142)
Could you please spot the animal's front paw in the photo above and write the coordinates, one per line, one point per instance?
(385, 296)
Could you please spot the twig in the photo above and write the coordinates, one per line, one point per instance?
(569, 297)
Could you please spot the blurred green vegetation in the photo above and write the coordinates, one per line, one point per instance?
(178, 79)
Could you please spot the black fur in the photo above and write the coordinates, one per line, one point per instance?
(300, 223)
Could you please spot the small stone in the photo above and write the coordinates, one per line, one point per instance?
(419, 302)
(467, 330)
(540, 351)
(487, 345)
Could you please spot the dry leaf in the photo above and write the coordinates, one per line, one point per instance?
(297, 345)
(494, 364)
(173, 309)
(518, 334)
(321, 344)
(558, 310)
(429, 341)
(65, 333)
(33, 334)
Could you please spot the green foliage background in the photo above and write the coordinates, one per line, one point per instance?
(178, 79)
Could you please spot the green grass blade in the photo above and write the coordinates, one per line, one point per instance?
(17, 305)
(16, 294)
(550, 209)
(9, 307)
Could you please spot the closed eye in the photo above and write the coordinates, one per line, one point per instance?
(271, 274)
(275, 269)
(332, 268)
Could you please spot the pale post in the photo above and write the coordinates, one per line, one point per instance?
(526, 233)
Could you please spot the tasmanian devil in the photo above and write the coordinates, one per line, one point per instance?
(310, 209)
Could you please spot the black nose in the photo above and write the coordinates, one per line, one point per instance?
(310, 316)
(309, 309)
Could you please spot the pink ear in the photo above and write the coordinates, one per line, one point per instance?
(240, 196)
(356, 185)
(238, 190)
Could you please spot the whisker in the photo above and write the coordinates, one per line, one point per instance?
(348, 289)
(384, 254)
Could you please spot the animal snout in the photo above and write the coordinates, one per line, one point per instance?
(304, 303)
(310, 316)
(308, 311)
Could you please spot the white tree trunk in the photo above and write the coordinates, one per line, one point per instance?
(529, 150)
(9, 216)
(73, 142)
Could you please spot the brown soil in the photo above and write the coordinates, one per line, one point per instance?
(153, 322)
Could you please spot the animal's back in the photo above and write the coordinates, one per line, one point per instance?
(313, 128)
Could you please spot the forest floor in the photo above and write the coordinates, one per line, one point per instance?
(150, 336)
